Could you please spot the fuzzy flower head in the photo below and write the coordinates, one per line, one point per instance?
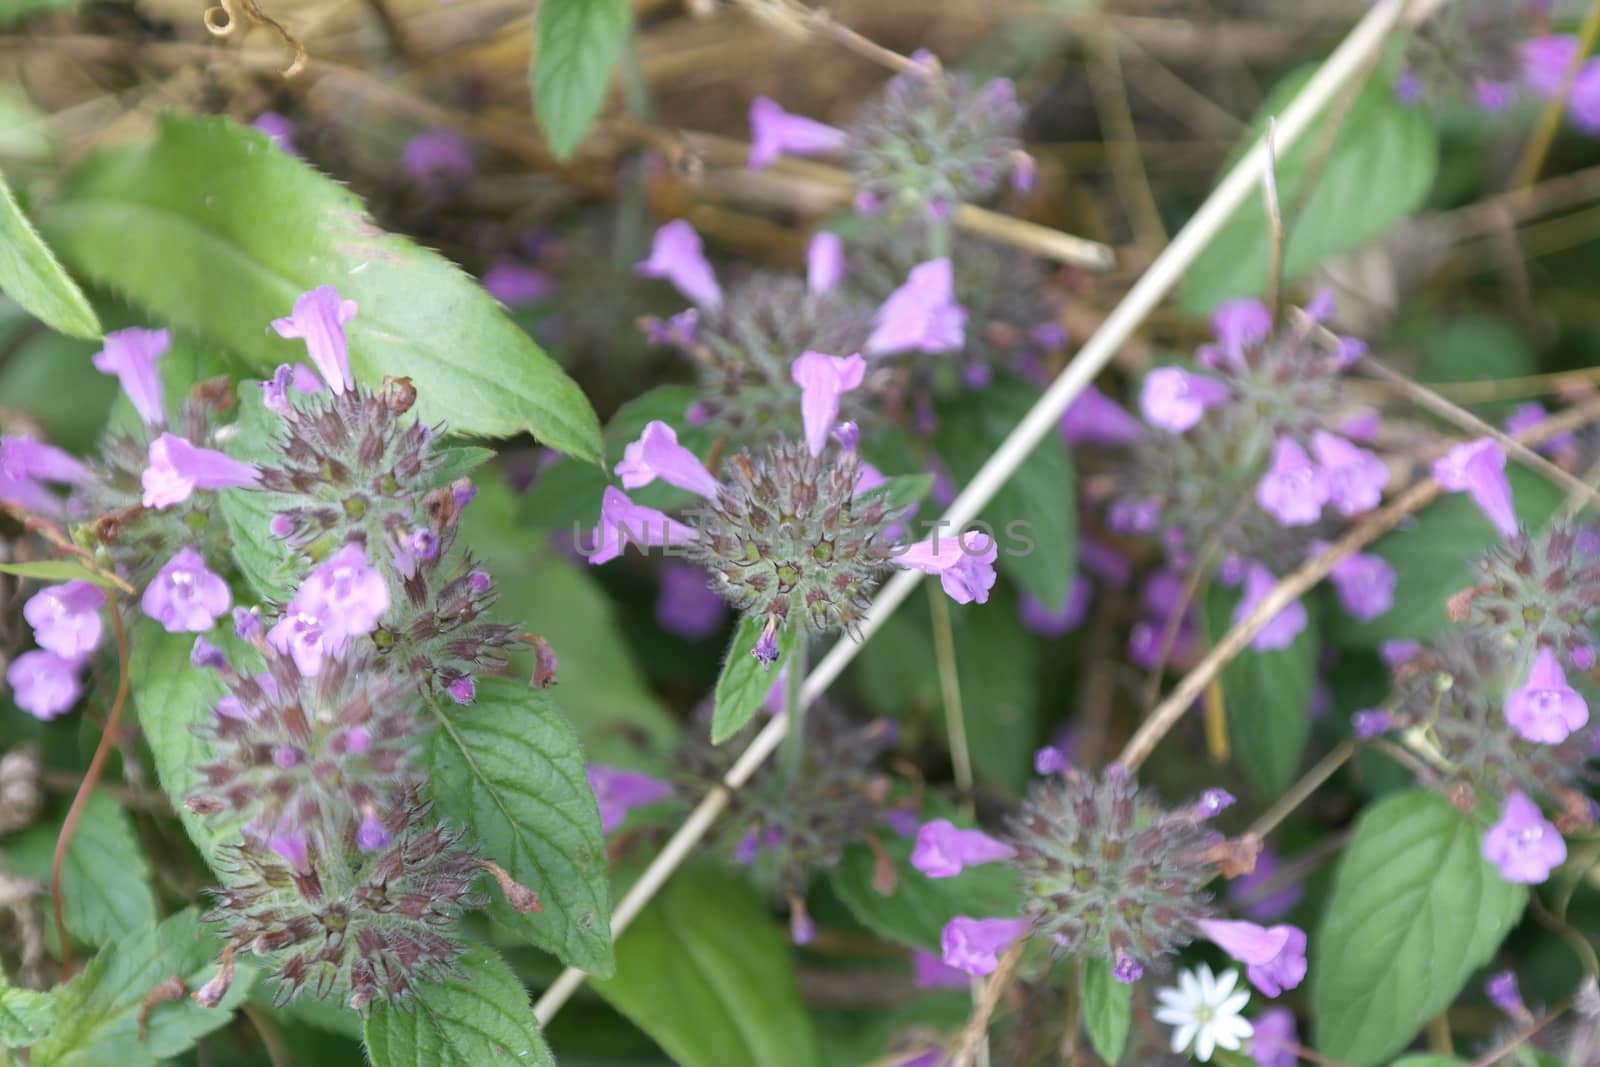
(1538, 590)
(1476, 52)
(1106, 871)
(787, 828)
(932, 140)
(301, 750)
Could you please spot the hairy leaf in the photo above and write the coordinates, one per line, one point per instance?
(105, 880)
(576, 45)
(509, 768)
(704, 972)
(217, 232)
(25, 1015)
(480, 1018)
(745, 681)
(1415, 909)
(1107, 1010)
(30, 275)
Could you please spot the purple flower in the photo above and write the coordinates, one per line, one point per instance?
(1214, 802)
(944, 851)
(922, 314)
(1050, 760)
(1523, 845)
(657, 454)
(514, 284)
(1545, 61)
(1095, 419)
(1583, 105)
(185, 597)
(930, 972)
(1105, 562)
(23, 457)
(462, 690)
(341, 598)
(1273, 1038)
(318, 319)
(206, 655)
(1365, 585)
(1274, 957)
(1355, 476)
(1479, 468)
(619, 792)
(177, 468)
(279, 130)
(1239, 325)
(1503, 993)
(775, 132)
(25, 494)
(371, 835)
(1024, 172)
(822, 380)
(1243, 891)
(43, 684)
(1545, 709)
(965, 565)
(622, 521)
(291, 845)
(1493, 96)
(1365, 725)
(66, 618)
(1046, 623)
(1283, 627)
(677, 255)
(1394, 653)
(1361, 425)
(824, 263)
(1173, 399)
(438, 157)
(685, 604)
(974, 945)
(1294, 489)
(131, 355)
(247, 623)
(1127, 970)
(1527, 416)
(1408, 88)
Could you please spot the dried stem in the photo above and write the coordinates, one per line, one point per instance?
(1544, 132)
(977, 1027)
(1298, 793)
(96, 765)
(1286, 592)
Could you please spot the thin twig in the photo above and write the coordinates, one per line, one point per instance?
(1269, 190)
(277, 1052)
(1286, 592)
(1492, 1057)
(1110, 91)
(96, 764)
(1425, 397)
(1350, 57)
(1297, 794)
(1544, 132)
(977, 1027)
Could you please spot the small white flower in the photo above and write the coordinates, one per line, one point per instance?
(1203, 1012)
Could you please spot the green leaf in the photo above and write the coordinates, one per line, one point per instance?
(508, 767)
(30, 275)
(745, 681)
(1378, 170)
(460, 461)
(1034, 516)
(217, 232)
(901, 491)
(1428, 1061)
(1267, 695)
(1107, 1009)
(106, 892)
(98, 1011)
(1432, 557)
(56, 570)
(704, 971)
(172, 698)
(915, 912)
(25, 1015)
(480, 1018)
(576, 45)
(1414, 911)
(1467, 348)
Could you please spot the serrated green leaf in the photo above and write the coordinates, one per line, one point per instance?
(901, 491)
(1034, 516)
(745, 681)
(1267, 696)
(172, 698)
(915, 912)
(212, 208)
(1415, 909)
(98, 1011)
(1432, 557)
(458, 462)
(1377, 171)
(105, 880)
(480, 1018)
(30, 275)
(704, 971)
(576, 45)
(56, 570)
(508, 767)
(1107, 1010)
(25, 1015)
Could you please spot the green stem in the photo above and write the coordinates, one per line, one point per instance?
(794, 745)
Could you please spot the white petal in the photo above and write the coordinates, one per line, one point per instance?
(1236, 1029)
(1234, 1004)
(1229, 1040)
(1208, 984)
(1175, 997)
(1205, 1044)
(1224, 986)
(1191, 987)
(1183, 1035)
(1174, 1015)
